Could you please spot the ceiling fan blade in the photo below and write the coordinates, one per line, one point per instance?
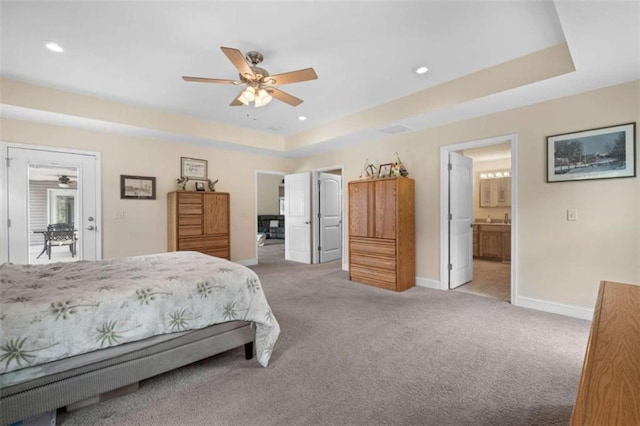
(293, 77)
(237, 59)
(208, 80)
(284, 97)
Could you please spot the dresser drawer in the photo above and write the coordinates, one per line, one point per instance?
(369, 273)
(373, 246)
(189, 219)
(204, 242)
(190, 209)
(372, 280)
(189, 198)
(221, 252)
(381, 262)
(186, 231)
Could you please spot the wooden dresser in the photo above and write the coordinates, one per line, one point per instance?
(382, 232)
(199, 221)
(609, 389)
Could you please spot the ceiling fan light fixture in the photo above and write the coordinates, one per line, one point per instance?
(248, 95)
(262, 98)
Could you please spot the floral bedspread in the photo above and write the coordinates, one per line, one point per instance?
(54, 311)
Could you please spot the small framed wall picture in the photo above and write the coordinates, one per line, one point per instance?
(193, 168)
(384, 170)
(137, 187)
(199, 186)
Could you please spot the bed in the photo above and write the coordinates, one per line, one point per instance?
(72, 331)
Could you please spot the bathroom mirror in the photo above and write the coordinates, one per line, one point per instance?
(495, 189)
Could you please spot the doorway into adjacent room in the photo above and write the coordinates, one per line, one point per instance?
(491, 200)
(270, 217)
(479, 218)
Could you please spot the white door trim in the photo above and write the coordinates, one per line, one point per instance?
(315, 202)
(444, 206)
(4, 230)
(255, 212)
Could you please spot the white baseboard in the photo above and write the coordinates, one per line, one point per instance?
(429, 283)
(556, 308)
(345, 266)
(247, 262)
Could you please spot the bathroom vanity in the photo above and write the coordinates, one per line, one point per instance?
(492, 241)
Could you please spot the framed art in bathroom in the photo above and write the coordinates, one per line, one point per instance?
(603, 153)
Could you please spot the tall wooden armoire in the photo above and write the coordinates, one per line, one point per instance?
(199, 221)
(382, 232)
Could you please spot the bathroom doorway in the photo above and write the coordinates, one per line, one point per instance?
(479, 218)
(491, 201)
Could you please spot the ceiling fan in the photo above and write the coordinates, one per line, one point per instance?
(260, 85)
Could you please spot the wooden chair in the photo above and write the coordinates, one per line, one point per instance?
(60, 234)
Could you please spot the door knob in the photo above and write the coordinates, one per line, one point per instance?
(307, 222)
(90, 228)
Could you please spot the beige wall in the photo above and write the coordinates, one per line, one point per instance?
(481, 213)
(269, 193)
(558, 261)
(144, 228)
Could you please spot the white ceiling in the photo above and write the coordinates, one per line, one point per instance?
(363, 52)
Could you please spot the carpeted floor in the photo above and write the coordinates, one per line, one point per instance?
(354, 354)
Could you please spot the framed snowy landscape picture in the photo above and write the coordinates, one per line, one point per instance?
(607, 152)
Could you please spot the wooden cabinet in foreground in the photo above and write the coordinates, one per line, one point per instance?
(382, 232)
(609, 388)
(199, 222)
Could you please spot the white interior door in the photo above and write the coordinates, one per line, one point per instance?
(330, 211)
(460, 220)
(22, 165)
(297, 217)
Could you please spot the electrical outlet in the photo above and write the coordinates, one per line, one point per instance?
(572, 215)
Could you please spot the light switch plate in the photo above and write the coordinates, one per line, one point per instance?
(572, 215)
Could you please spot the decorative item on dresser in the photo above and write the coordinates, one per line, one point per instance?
(382, 232)
(199, 221)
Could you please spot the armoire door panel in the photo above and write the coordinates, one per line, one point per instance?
(216, 213)
(385, 209)
(359, 209)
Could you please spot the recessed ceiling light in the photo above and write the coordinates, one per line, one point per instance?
(421, 70)
(53, 46)
(302, 118)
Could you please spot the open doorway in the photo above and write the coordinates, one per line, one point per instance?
(270, 217)
(491, 220)
(479, 217)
